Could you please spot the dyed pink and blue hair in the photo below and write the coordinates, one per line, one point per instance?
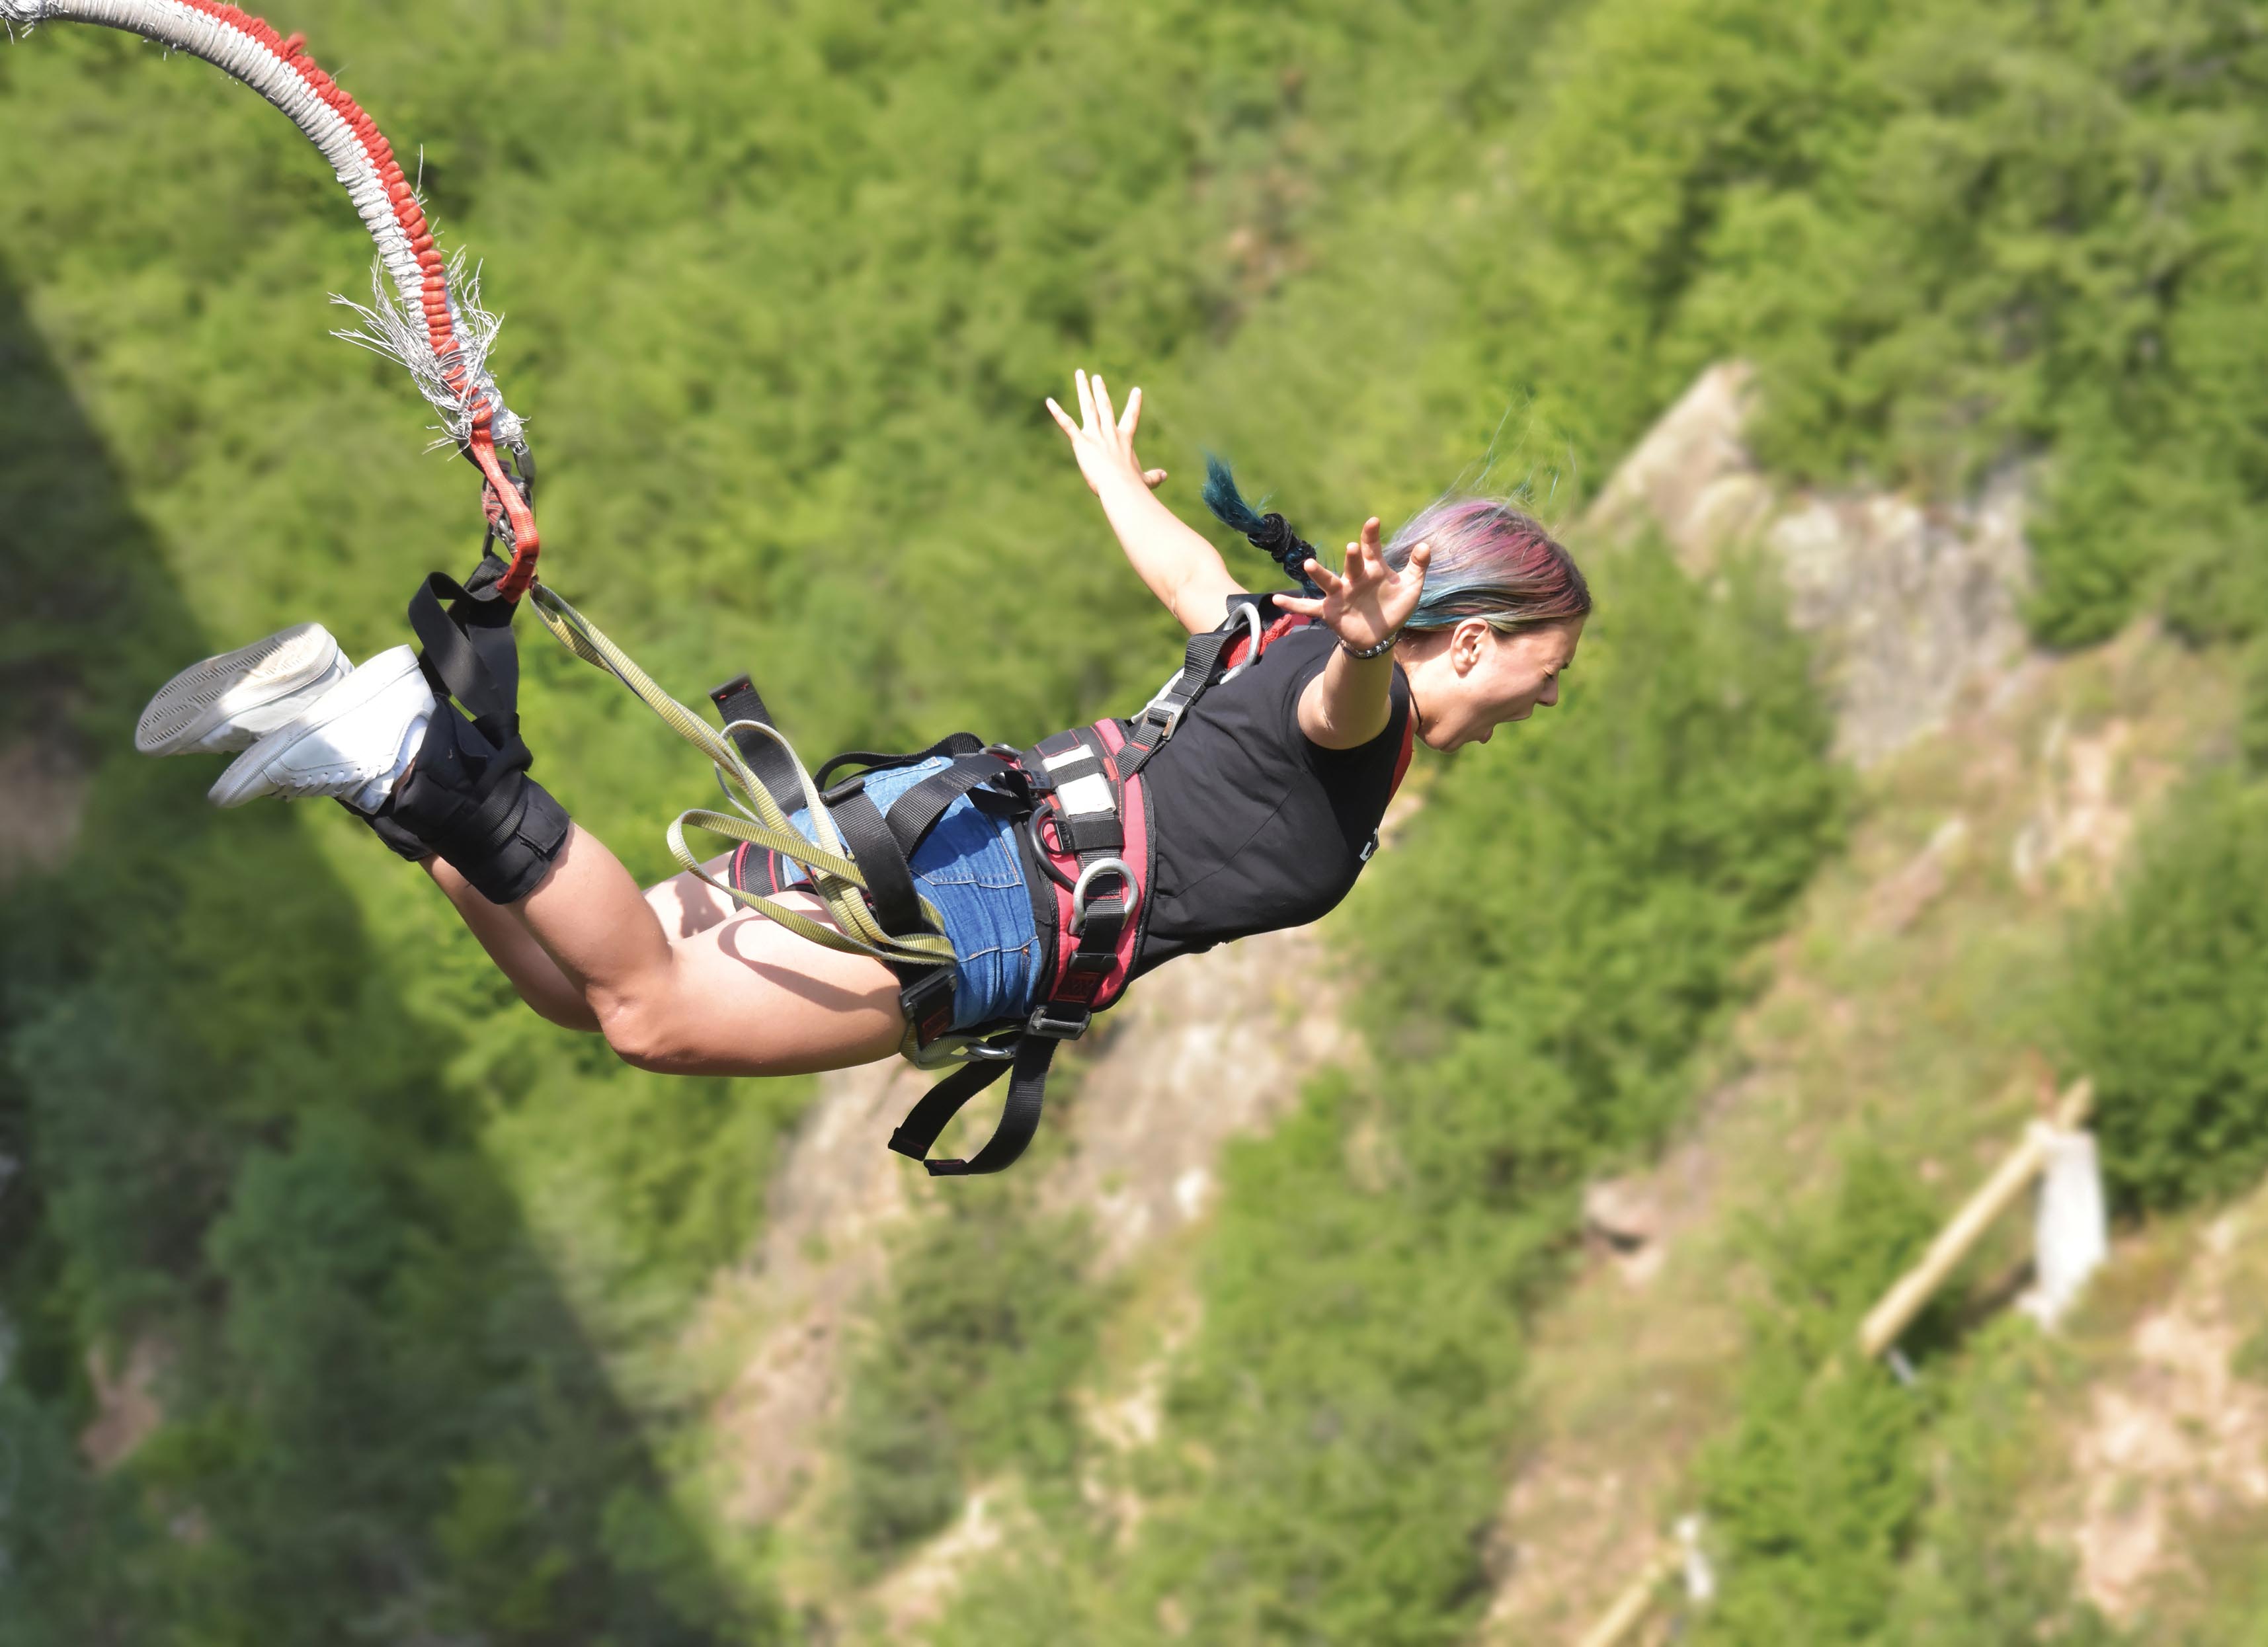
(1488, 560)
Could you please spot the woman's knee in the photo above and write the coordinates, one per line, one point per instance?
(647, 1034)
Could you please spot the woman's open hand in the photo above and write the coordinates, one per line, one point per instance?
(1104, 447)
(1370, 600)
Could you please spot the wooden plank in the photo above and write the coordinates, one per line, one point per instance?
(1632, 1606)
(1906, 1299)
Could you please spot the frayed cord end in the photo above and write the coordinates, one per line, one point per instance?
(24, 13)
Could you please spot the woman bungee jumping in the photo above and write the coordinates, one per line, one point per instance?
(1244, 798)
(974, 905)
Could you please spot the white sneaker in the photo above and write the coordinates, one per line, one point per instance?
(351, 743)
(234, 701)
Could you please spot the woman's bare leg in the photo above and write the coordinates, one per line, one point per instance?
(517, 955)
(678, 981)
(685, 904)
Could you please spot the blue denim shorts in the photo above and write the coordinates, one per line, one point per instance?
(970, 866)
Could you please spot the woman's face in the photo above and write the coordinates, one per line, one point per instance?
(1476, 679)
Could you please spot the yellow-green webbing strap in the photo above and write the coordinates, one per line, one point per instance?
(762, 823)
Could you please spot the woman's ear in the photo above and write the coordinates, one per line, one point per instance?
(1469, 643)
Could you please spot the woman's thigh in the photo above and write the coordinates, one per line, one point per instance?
(688, 905)
(753, 998)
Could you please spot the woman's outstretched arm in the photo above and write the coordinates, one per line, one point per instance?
(1351, 702)
(1180, 567)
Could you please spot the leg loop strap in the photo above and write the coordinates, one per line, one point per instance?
(1027, 1085)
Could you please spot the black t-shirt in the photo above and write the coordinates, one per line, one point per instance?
(1257, 827)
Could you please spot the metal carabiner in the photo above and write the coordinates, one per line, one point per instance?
(947, 1050)
(1117, 866)
(1251, 612)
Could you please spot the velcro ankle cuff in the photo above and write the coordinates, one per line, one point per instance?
(480, 811)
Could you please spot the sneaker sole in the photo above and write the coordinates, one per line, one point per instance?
(247, 776)
(189, 706)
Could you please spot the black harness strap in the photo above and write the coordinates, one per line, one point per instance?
(1161, 717)
(468, 646)
(737, 700)
(915, 814)
(954, 744)
(883, 847)
(467, 652)
(1020, 1119)
(889, 877)
(1085, 805)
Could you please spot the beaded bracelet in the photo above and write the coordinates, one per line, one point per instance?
(1383, 647)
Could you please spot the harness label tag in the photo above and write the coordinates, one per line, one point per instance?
(1086, 795)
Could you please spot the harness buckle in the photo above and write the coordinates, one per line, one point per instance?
(1168, 717)
(927, 1003)
(1067, 1025)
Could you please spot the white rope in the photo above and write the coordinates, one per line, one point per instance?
(199, 33)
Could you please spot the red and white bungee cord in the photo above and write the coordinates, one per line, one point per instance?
(432, 320)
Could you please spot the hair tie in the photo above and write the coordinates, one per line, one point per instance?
(1270, 533)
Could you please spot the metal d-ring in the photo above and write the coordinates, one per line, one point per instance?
(1117, 866)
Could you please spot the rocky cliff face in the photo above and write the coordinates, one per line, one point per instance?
(1912, 608)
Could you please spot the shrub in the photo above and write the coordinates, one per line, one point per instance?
(988, 1321)
(2163, 1008)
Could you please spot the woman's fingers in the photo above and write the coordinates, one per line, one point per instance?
(1301, 605)
(1104, 417)
(1062, 418)
(1085, 398)
(1128, 423)
(1153, 478)
(1326, 580)
(1370, 535)
(1363, 566)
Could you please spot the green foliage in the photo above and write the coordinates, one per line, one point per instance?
(2163, 1007)
(1952, 235)
(1818, 1493)
(785, 284)
(240, 1153)
(2249, 1360)
(1845, 1508)
(1979, 1579)
(989, 1322)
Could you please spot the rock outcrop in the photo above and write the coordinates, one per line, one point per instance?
(1912, 607)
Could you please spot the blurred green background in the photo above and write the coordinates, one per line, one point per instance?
(785, 284)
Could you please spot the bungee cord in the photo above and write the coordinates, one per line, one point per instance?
(429, 320)
(425, 313)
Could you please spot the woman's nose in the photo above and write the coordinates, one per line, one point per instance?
(1551, 693)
